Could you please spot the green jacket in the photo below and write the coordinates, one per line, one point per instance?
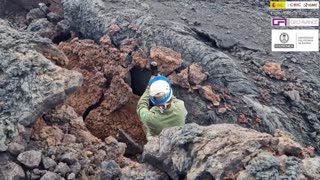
(154, 120)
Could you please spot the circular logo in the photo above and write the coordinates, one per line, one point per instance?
(284, 37)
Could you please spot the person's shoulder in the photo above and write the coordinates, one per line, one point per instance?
(178, 101)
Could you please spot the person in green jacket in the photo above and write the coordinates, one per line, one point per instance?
(167, 110)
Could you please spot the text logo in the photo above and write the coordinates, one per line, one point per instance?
(288, 40)
(277, 22)
(294, 4)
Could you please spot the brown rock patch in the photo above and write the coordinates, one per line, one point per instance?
(168, 60)
(274, 70)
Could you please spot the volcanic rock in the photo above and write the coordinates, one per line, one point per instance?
(68, 139)
(34, 14)
(110, 170)
(48, 163)
(63, 27)
(181, 79)
(274, 70)
(31, 83)
(43, 27)
(191, 76)
(71, 176)
(225, 151)
(31, 159)
(15, 148)
(167, 59)
(293, 95)
(134, 170)
(69, 158)
(106, 41)
(53, 17)
(196, 76)
(50, 176)
(62, 169)
(85, 57)
(140, 58)
(11, 170)
(106, 100)
(52, 134)
(208, 93)
(77, 127)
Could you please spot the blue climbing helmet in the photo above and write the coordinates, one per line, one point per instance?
(160, 90)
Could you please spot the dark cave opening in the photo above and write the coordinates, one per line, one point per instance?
(61, 38)
(139, 80)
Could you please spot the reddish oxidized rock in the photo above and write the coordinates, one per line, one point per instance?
(105, 89)
(105, 40)
(243, 119)
(195, 74)
(114, 28)
(140, 58)
(190, 76)
(168, 60)
(208, 93)
(180, 79)
(274, 70)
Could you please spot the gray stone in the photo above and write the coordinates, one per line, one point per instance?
(69, 158)
(311, 167)
(35, 14)
(264, 166)
(30, 159)
(11, 170)
(110, 170)
(69, 138)
(53, 17)
(293, 95)
(48, 163)
(62, 169)
(64, 26)
(23, 66)
(43, 27)
(39, 172)
(34, 176)
(71, 176)
(50, 176)
(15, 148)
(76, 167)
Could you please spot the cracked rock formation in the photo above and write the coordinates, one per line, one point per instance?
(105, 100)
(227, 151)
(30, 84)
